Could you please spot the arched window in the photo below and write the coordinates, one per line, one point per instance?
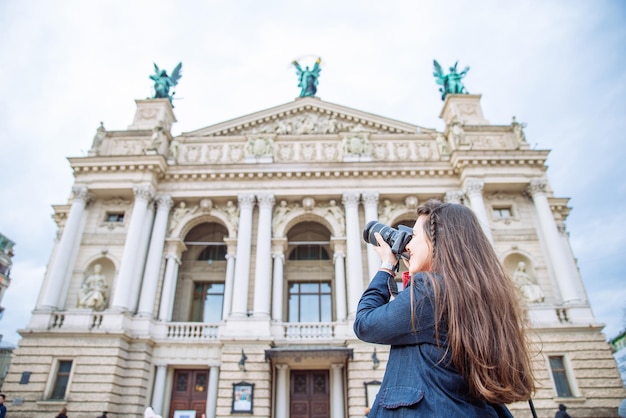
(200, 296)
(310, 274)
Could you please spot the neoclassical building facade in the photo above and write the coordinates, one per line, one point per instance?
(219, 270)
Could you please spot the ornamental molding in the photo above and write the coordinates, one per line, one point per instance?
(329, 214)
(315, 172)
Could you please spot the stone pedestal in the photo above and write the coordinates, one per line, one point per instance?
(463, 108)
(152, 112)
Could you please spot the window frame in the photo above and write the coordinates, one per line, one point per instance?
(569, 375)
(193, 300)
(53, 379)
(331, 294)
(117, 214)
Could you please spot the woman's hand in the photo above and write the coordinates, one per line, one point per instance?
(384, 250)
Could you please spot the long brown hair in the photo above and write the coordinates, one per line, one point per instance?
(485, 319)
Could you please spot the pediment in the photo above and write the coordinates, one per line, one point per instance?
(307, 116)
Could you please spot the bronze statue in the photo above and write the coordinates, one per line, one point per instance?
(307, 79)
(451, 82)
(163, 82)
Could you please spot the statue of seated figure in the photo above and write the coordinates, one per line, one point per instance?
(92, 292)
(530, 290)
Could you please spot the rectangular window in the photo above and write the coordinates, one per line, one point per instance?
(502, 213)
(115, 217)
(563, 388)
(61, 379)
(310, 302)
(208, 301)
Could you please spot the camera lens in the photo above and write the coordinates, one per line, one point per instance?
(397, 239)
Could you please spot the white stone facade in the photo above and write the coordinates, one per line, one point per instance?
(228, 207)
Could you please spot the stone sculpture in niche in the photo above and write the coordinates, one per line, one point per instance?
(531, 291)
(92, 292)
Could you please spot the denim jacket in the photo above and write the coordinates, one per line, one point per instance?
(417, 381)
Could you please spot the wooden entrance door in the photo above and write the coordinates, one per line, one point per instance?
(309, 394)
(189, 391)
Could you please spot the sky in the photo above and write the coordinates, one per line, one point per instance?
(558, 66)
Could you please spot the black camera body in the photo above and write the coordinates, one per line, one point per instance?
(396, 238)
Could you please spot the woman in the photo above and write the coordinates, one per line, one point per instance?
(62, 414)
(458, 347)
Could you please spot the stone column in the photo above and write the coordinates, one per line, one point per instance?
(125, 277)
(340, 282)
(556, 253)
(282, 389)
(211, 396)
(278, 254)
(146, 232)
(355, 263)
(474, 190)
(155, 256)
(370, 202)
(337, 407)
(242, 262)
(230, 277)
(51, 292)
(174, 251)
(158, 393)
(263, 269)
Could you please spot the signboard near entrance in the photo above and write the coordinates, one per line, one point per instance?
(243, 394)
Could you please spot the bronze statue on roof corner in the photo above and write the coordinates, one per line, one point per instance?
(451, 82)
(308, 78)
(163, 82)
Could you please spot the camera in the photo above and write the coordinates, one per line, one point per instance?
(396, 238)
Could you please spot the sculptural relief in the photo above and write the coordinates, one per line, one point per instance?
(192, 153)
(380, 151)
(442, 144)
(457, 133)
(235, 153)
(258, 147)
(330, 152)
(308, 152)
(181, 211)
(214, 153)
(309, 122)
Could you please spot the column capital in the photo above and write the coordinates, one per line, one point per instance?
(474, 186)
(537, 186)
(164, 202)
(279, 256)
(338, 254)
(454, 196)
(370, 198)
(350, 199)
(246, 200)
(338, 245)
(175, 248)
(266, 200)
(337, 366)
(143, 192)
(282, 367)
(81, 193)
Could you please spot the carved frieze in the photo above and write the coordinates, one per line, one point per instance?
(348, 147)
